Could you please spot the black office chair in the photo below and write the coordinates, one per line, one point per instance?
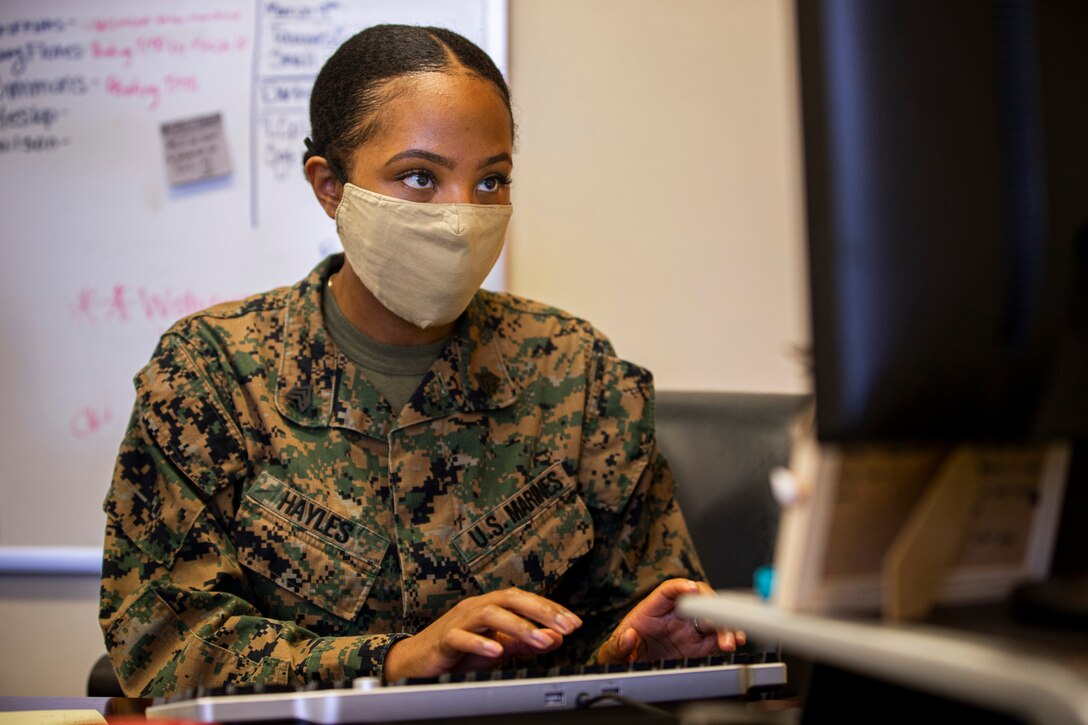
(721, 447)
(102, 681)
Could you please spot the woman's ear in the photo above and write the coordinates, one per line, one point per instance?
(327, 188)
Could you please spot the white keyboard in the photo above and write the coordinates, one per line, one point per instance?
(488, 693)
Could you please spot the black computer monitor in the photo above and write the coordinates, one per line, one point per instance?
(946, 164)
(946, 174)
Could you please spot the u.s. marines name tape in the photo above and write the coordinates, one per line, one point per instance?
(511, 513)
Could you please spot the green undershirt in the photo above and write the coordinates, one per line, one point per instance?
(395, 370)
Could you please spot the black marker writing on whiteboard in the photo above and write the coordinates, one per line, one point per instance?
(17, 58)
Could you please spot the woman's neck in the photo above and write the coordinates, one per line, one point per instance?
(375, 320)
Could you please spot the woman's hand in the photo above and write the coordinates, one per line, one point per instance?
(654, 630)
(478, 632)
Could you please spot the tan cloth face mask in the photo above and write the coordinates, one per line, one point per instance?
(424, 262)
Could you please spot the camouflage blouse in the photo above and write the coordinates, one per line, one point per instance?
(272, 519)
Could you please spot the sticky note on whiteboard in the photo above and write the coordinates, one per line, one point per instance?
(196, 149)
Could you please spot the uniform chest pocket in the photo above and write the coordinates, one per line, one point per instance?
(530, 539)
(319, 555)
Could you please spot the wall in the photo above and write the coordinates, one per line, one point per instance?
(658, 186)
(658, 195)
(50, 633)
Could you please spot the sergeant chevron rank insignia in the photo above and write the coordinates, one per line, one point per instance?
(300, 397)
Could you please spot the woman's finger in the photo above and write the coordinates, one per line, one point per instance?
(728, 640)
(492, 616)
(621, 647)
(463, 641)
(538, 609)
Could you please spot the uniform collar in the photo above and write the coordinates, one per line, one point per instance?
(316, 385)
(308, 371)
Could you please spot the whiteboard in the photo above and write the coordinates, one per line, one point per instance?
(101, 252)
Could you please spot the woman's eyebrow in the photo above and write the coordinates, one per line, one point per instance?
(443, 160)
(495, 159)
(422, 154)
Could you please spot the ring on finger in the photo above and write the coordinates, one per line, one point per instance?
(697, 627)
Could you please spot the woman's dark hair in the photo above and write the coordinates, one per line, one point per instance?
(352, 85)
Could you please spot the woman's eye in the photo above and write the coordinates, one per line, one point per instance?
(493, 183)
(418, 180)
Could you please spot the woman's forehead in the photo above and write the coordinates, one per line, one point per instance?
(444, 108)
(450, 91)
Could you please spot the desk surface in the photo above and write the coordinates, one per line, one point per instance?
(115, 709)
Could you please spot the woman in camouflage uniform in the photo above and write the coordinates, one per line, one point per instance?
(382, 469)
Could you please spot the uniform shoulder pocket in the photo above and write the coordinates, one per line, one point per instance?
(320, 555)
(618, 439)
(531, 538)
(187, 418)
(150, 500)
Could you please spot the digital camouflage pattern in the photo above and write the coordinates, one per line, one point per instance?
(271, 519)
